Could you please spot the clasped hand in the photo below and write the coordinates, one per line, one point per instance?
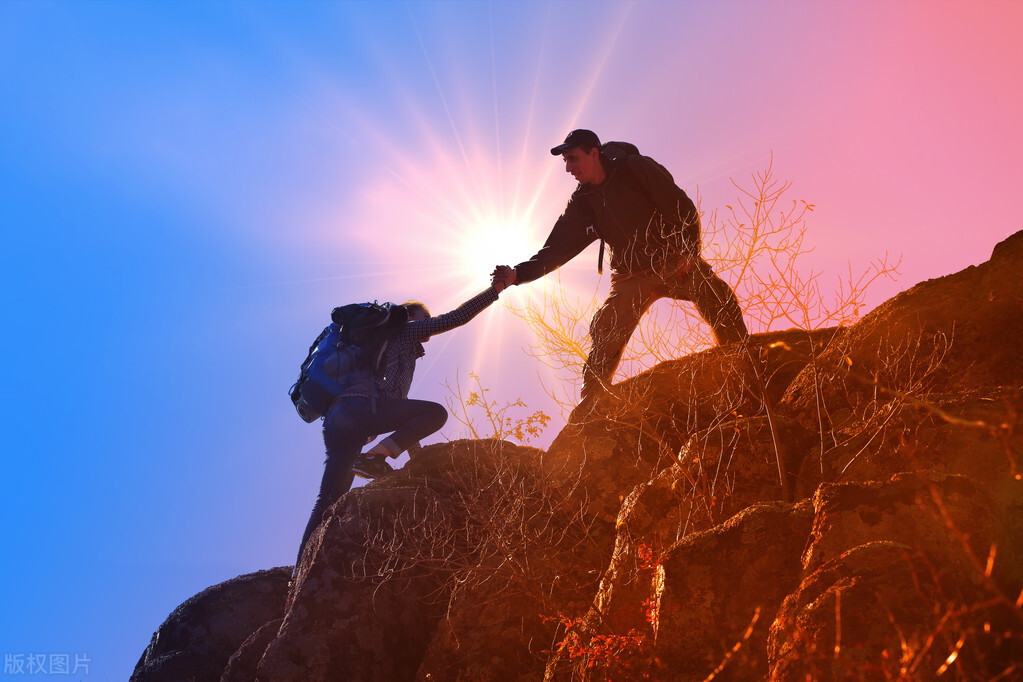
(503, 277)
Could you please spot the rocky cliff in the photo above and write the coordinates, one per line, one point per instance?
(837, 504)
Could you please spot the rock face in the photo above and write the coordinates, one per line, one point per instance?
(196, 641)
(890, 581)
(838, 504)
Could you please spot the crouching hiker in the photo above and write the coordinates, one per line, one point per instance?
(371, 392)
(402, 354)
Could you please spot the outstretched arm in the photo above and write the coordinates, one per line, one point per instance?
(566, 241)
(424, 329)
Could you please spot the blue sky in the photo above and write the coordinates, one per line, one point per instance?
(187, 189)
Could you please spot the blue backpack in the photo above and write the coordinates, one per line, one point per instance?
(349, 356)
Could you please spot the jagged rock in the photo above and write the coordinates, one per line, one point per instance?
(534, 560)
(622, 439)
(242, 665)
(896, 573)
(871, 611)
(356, 613)
(644, 541)
(928, 380)
(488, 636)
(197, 639)
(960, 331)
(380, 572)
(719, 472)
(691, 605)
(721, 589)
(966, 437)
(948, 518)
(705, 605)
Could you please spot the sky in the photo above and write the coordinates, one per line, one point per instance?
(188, 189)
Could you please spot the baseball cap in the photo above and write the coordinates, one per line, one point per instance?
(577, 138)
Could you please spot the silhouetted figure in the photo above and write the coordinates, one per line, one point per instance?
(631, 203)
(356, 418)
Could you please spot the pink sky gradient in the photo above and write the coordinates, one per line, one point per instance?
(898, 121)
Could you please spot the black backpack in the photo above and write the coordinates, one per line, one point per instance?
(349, 356)
(618, 150)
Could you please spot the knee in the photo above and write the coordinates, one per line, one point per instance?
(437, 414)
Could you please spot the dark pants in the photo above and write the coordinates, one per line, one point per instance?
(346, 428)
(631, 296)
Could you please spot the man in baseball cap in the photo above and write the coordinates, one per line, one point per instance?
(577, 138)
(652, 229)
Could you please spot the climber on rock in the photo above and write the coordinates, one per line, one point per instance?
(652, 228)
(355, 419)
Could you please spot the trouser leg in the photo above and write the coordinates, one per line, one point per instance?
(347, 426)
(612, 326)
(337, 480)
(418, 419)
(715, 301)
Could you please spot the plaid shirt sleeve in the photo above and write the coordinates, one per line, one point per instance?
(424, 329)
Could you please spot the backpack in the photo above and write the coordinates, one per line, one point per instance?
(347, 357)
(618, 150)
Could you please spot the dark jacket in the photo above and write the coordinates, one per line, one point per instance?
(643, 216)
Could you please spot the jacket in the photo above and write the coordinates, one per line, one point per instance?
(646, 220)
(407, 346)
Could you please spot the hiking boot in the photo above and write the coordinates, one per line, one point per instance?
(371, 467)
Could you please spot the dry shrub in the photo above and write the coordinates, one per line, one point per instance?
(757, 245)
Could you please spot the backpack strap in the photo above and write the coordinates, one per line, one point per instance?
(618, 150)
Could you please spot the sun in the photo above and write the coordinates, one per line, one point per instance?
(496, 242)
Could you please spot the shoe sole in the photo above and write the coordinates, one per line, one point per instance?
(370, 476)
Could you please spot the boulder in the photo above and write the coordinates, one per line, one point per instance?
(805, 505)
(244, 662)
(199, 636)
(468, 532)
(622, 438)
(700, 606)
(899, 583)
(953, 333)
